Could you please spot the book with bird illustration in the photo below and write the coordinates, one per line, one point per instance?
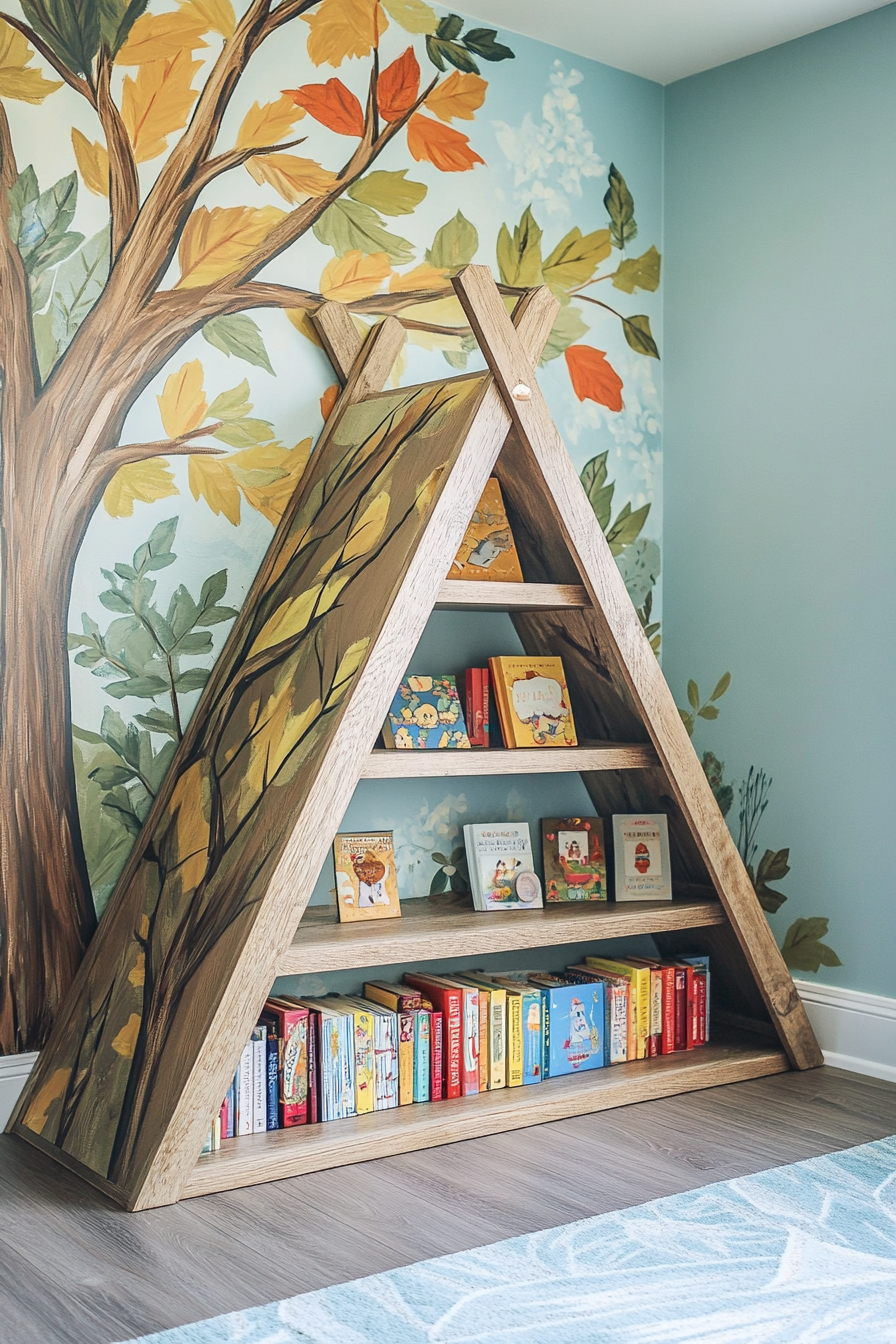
(575, 861)
(366, 881)
(488, 550)
(425, 713)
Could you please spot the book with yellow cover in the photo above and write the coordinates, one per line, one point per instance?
(533, 702)
(366, 881)
(488, 550)
(495, 1053)
(639, 977)
(365, 1065)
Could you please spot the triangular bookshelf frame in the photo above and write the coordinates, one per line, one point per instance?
(205, 914)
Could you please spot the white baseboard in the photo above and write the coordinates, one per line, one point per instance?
(14, 1071)
(856, 1031)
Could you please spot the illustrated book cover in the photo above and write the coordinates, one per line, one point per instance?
(533, 702)
(575, 1024)
(499, 859)
(426, 713)
(366, 880)
(641, 860)
(575, 863)
(488, 550)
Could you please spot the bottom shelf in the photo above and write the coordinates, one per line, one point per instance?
(732, 1058)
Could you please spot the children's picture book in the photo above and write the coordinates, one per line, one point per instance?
(575, 1019)
(502, 875)
(533, 702)
(477, 702)
(426, 713)
(641, 857)
(488, 550)
(366, 881)
(575, 864)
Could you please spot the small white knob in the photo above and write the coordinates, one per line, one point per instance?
(522, 392)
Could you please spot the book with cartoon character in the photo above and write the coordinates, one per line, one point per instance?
(499, 858)
(575, 865)
(641, 858)
(488, 550)
(426, 713)
(366, 881)
(533, 702)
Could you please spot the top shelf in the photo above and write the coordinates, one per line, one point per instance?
(469, 594)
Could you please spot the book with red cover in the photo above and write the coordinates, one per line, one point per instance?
(287, 1020)
(473, 705)
(486, 716)
(449, 1001)
(472, 1029)
(435, 1058)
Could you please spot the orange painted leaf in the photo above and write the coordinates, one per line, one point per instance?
(354, 276)
(457, 96)
(593, 379)
(398, 86)
(344, 28)
(442, 146)
(294, 178)
(215, 242)
(158, 102)
(265, 125)
(332, 104)
(423, 276)
(329, 399)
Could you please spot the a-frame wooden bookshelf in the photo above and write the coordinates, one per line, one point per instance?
(211, 906)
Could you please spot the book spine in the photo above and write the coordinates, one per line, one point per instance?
(450, 1002)
(700, 980)
(533, 1038)
(681, 1008)
(486, 717)
(365, 1062)
(231, 1110)
(641, 986)
(484, 1034)
(693, 1010)
(406, 1057)
(655, 1039)
(470, 705)
(295, 1068)
(470, 1068)
(514, 1040)
(223, 1116)
(546, 1035)
(422, 1050)
(436, 1068)
(314, 1067)
(497, 1054)
(328, 1058)
(244, 1092)
(259, 1080)
(392, 999)
(386, 1061)
(668, 1036)
(272, 1098)
(346, 1062)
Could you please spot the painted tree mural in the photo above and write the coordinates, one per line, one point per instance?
(86, 324)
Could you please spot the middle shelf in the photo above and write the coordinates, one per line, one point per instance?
(447, 926)
(392, 764)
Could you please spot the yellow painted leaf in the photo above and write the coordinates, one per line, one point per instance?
(159, 37)
(369, 528)
(182, 404)
(423, 276)
(212, 480)
(144, 926)
(427, 491)
(215, 242)
(158, 102)
(271, 500)
(268, 123)
(137, 976)
(413, 15)
(92, 159)
(216, 15)
(184, 841)
(348, 665)
(343, 28)
(126, 1039)
(457, 96)
(143, 482)
(290, 619)
(293, 178)
(354, 276)
(36, 1115)
(17, 79)
(301, 320)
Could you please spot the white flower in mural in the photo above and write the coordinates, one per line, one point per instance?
(435, 828)
(551, 158)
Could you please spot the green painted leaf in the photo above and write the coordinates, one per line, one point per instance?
(108, 776)
(213, 589)
(238, 334)
(23, 192)
(621, 209)
(482, 42)
(693, 694)
(803, 949)
(708, 712)
(78, 284)
(70, 28)
(192, 680)
(215, 615)
(449, 27)
(637, 333)
(626, 528)
(412, 15)
(117, 18)
(773, 865)
(145, 688)
(182, 612)
(519, 256)
(349, 226)
(722, 685)
(439, 882)
(390, 193)
(42, 237)
(640, 565)
(439, 52)
(638, 272)
(195, 642)
(454, 245)
(576, 257)
(569, 327)
(600, 494)
(687, 719)
(157, 721)
(233, 404)
(245, 432)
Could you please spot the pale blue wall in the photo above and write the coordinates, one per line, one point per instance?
(780, 345)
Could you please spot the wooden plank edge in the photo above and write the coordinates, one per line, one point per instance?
(385, 763)
(490, 596)
(437, 1123)
(63, 1159)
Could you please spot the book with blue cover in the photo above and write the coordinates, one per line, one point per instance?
(575, 1024)
(426, 713)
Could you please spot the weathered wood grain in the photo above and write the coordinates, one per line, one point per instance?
(477, 761)
(462, 594)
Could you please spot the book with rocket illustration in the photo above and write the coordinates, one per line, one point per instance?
(575, 862)
(488, 550)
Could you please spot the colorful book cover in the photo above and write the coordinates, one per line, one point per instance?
(436, 1071)
(406, 1019)
(362, 1043)
(639, 978)
(422, 1051)
(531, 1022)
(288, 1021)
(575, 864)
(475, 1032)
(700, 964)
(366, 880)
(448, 1000)
(337, 1060)
(385, 1056)
(495, 997)
(621, 1044)
(533, 702)
(575, 1024)
(641, 860)
(500, 864)
(488, 550)
(426, 714)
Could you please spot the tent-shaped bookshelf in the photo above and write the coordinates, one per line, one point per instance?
(209, 910)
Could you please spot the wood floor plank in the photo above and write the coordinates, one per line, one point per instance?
(74, 1269)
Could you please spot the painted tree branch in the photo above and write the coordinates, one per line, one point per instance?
(185, 444)
(16, 340)
(235, 158)
(124, 186)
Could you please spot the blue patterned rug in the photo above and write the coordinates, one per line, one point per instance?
(803, 1253)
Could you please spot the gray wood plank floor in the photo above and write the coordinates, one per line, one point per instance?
(76, 1270)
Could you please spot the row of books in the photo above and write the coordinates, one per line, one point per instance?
(447, 1036)
(529, 693)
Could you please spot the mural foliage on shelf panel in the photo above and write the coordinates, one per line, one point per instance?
(802, 946)
(168, 136)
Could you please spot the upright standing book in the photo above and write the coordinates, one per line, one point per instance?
(533, 702)
(426, 714)
(641, 859)
(499, 860)
(575, 865)
(488, 550)
(574, 1024)
(366, 881)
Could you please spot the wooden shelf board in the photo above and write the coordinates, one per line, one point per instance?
(469, 594)
(393, 764)
(447, 926)
(293, 1152)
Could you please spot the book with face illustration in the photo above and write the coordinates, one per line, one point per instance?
(488, 550)
(366, 881)
(426, 713)
(499, 859)
(575, 866)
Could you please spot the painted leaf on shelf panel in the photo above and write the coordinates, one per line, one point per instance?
(293, 178)
(92, 159)
(200, 873)
(354, 276)
(140, 482)
(214, 242)
(576, 257)
(217, 15)
(441, 145)
(592, 377)
(389, 193)
(18, 78)
(182, 404)
(333, 105)
(160, 37)
(412, 15)
(344, 28)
